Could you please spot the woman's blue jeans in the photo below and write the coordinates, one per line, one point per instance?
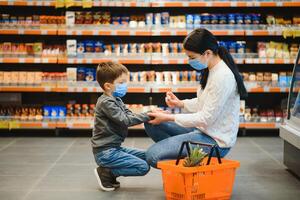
(169, 137)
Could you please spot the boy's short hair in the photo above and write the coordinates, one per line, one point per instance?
(108, 72)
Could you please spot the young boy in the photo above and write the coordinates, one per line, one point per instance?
(112, 120)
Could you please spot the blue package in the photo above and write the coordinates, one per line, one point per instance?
(189, 22)
(170, 48)
(197, 21)
(116, 20)
(289, 80)
(239, 19)
(62, 112)
(205, 18)
(214, 19)
(222, 19)
(165, 18)
(231, 47)
(54, 112)
(283, 80)
(231, 19)
(180, 76)
(240, 47)
(222, 44)
(125, 20)
(47, 111)
(256, 18)
(98, 47)
(248, 19)
(80, 74)
(90, 74)
(89, 46)
(189, 75)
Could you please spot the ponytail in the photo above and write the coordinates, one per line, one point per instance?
(227, 58)
(199, 41)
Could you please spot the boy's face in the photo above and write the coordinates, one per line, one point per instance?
(110, 87)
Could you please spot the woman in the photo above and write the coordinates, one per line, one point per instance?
(212, 117)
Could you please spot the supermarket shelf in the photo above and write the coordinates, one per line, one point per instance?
(89, 125)
(22, 31)
(268, 61)
(28, 60)
(158, 4)
(27, 3)
(105, 31)
(131, 89)
(225, 4)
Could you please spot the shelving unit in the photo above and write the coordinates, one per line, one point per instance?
(152, 61)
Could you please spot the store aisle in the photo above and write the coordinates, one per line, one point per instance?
(62, 168)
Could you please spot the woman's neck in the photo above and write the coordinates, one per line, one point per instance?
(214, 61)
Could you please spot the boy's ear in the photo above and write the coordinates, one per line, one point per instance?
(107, 86)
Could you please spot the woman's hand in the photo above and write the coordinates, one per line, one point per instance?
(159, 117)
(172, 101)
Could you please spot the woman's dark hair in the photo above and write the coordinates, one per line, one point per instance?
(199, 41)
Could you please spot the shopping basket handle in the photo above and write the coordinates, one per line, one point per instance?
(213, 147)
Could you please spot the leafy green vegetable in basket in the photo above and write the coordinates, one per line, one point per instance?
(195, 158)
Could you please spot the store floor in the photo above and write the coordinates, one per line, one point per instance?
(62, 168)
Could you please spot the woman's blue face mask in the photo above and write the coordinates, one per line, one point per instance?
(120, 90)
(197, 65)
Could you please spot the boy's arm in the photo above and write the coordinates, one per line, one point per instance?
(116, 114)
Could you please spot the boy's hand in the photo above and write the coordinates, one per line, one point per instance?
(172, 101)
(159, 117)
(159, 110)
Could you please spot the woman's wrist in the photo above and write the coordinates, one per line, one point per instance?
(171, 117)
(181, 104)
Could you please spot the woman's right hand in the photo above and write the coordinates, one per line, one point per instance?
(172, 101)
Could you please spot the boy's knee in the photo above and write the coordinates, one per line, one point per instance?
(144, 168)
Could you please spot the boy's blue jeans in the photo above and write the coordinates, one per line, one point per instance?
(123, 161)
(169, 137)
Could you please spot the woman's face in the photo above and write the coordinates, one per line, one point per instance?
(203, 58)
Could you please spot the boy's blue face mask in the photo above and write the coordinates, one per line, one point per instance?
(197, 65)
(121, 90)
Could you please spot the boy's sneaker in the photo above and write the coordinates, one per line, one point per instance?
(115, 183)
(104, 178)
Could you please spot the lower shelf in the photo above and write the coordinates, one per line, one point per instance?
(89, 125)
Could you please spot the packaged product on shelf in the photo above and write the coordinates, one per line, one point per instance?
(80, 48)
(22, 77)
(241, 47)
(260, 76)
(1, 77)
(252, 77)
(149, 19)
(247, 19)
(285, 51)
(6, 78)
(71, 47)
(256, 18)
(106, 18)
(30, 78)
(294, 50)
(232, 47)
(125, 20)
(231, 19)
(279, 51)
(205, 18)
(165, 17)
(98, 48)
(89, 46)
(197, 21)
(156, 47)
(91, 109)
(38, 78)
(296, 20)
(157, 19)
(90, 74)
(70, 18)
(189, 21)
(173, 22)
(289, 78)
(38, 48)
(283, 81)
(81, 74)
(77, 110)
(133, 23)
(271, 50)
(261, 48)
(214, 19)
(97, 18)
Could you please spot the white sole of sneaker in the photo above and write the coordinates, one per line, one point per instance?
(100, 184)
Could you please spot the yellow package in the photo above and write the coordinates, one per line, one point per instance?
(271, 49)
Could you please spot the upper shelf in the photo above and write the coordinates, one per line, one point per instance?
(115, 31)
(179, 4)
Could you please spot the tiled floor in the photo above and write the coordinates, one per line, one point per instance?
(62, 168)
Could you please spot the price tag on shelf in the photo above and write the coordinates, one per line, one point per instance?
(21, 60)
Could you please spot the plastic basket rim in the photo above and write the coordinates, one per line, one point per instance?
(226, 164)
